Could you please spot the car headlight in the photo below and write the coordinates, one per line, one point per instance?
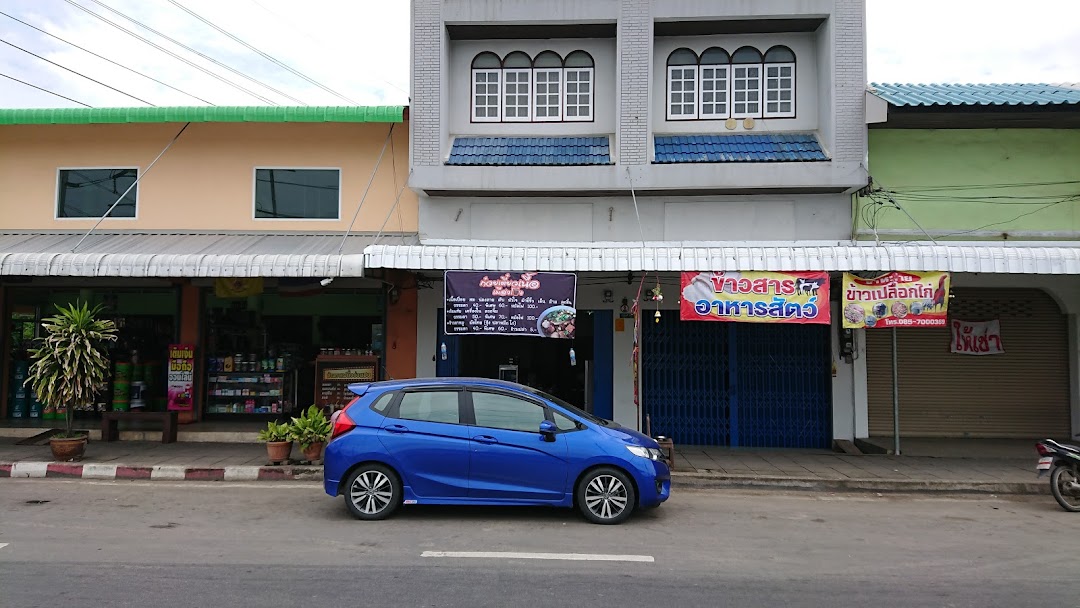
(650, 453)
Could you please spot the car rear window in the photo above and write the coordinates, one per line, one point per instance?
(383, 402)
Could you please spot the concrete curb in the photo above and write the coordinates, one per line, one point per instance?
(721, 481)
(68, 470)
(679, 479)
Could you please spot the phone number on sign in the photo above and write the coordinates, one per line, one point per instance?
(911, 322)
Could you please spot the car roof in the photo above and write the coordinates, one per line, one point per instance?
(391, 385)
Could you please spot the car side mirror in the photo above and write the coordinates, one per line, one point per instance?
(548, 430)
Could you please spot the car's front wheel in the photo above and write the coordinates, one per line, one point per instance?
(372, 492)
(606, 496)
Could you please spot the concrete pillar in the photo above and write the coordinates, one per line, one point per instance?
(191, 315)
(400, 332)
(634, 75)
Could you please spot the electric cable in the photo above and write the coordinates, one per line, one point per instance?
(103, 58)
(196, 52)
(80, 74)
(34, 86)
(171, 53)
(262, 54)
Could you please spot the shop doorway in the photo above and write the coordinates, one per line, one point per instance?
(541, 363)
(738, 384)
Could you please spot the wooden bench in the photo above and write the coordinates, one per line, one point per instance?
(110, 432)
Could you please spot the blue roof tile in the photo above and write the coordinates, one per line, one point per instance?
(530, 151)
(738, 148)
(1022, 94)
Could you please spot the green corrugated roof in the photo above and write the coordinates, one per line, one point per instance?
(87, 116)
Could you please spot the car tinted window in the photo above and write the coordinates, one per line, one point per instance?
(382, 402)
(563, 422)
(430, 406)
(504, 412)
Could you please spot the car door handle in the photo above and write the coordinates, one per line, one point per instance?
(397, 428)
(485, 439)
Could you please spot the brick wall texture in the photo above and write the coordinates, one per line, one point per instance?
(424, 110)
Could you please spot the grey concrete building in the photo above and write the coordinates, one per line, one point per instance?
(613, 138)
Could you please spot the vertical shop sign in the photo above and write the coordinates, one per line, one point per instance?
(181, 376)
(540, 304)
(976, 338)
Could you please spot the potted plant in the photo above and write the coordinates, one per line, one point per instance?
(69, 367)
(311, 430)
(278, 438)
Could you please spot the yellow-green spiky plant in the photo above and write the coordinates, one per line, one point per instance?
(71, 365)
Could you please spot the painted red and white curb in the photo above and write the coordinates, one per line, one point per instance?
(67, 470)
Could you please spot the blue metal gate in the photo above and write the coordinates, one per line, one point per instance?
(737, 384)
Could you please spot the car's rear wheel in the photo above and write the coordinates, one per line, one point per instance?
(372, 492)
(606, 496)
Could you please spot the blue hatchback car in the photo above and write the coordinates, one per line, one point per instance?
(460, 441)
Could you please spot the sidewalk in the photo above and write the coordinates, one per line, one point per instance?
(694, 467)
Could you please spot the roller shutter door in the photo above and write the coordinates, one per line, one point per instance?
(1023, 393)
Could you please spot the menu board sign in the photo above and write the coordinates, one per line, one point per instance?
(335, 374)
(539, 304)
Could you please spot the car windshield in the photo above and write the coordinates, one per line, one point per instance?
(573, 409)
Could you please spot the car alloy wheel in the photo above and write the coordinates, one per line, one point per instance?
(373, 492)
(606, 496)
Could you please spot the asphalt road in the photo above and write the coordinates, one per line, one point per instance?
(220, 544)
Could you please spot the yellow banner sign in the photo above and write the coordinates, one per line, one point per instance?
(896, 299)
(358, 374)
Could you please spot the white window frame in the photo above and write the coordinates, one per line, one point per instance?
(697, 92)
(766, 90)
(254, 194)
(734, 91)
(591, 105)
(560, 95)
(719, 67)
(498, 95)
(56, 198)
(527, 72)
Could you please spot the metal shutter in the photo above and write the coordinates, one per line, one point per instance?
(1023, 393)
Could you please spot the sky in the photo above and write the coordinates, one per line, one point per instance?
(357, 51)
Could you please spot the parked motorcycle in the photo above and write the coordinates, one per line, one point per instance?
(1065, 477)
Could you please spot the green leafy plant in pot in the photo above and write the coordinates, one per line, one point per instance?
(311, 431)
(278, 438)
(70, 367)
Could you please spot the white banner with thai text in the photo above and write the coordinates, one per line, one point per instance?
(976, 338)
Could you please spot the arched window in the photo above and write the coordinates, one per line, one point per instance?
(714, 72)
(547, 83)
(779, 63)
(578, 75)
(746, 83)
(682, 72)
(517, 87)
(486, 89)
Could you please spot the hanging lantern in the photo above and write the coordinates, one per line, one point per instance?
(657, 315)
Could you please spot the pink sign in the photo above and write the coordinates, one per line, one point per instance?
(181, 376)
(976, 338)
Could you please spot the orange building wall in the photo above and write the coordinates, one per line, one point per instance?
(206, 180)
(401, 327)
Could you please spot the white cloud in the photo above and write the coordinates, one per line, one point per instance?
(361, 48)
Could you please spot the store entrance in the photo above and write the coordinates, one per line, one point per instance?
(542, 363)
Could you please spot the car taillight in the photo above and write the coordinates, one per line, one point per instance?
(1042, 450)
(341, 424)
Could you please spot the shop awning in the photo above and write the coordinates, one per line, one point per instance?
(623, 257)
(170, 254)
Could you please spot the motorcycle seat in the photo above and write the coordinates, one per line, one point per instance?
(1063, 446)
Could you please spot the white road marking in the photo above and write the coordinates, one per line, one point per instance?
(578, 557)
(2, 545)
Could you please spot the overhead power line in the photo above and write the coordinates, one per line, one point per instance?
(80, 74)
(119, 65)
(34, 86)
(197, 52)
(261, 53)
(171, 53)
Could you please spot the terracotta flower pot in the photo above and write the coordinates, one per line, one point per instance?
(314, 451)
(68, 449)
(278, 451)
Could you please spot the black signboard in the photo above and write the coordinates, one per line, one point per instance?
(540, 304)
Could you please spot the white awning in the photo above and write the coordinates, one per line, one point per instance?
(623, 257)
(143, 254)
